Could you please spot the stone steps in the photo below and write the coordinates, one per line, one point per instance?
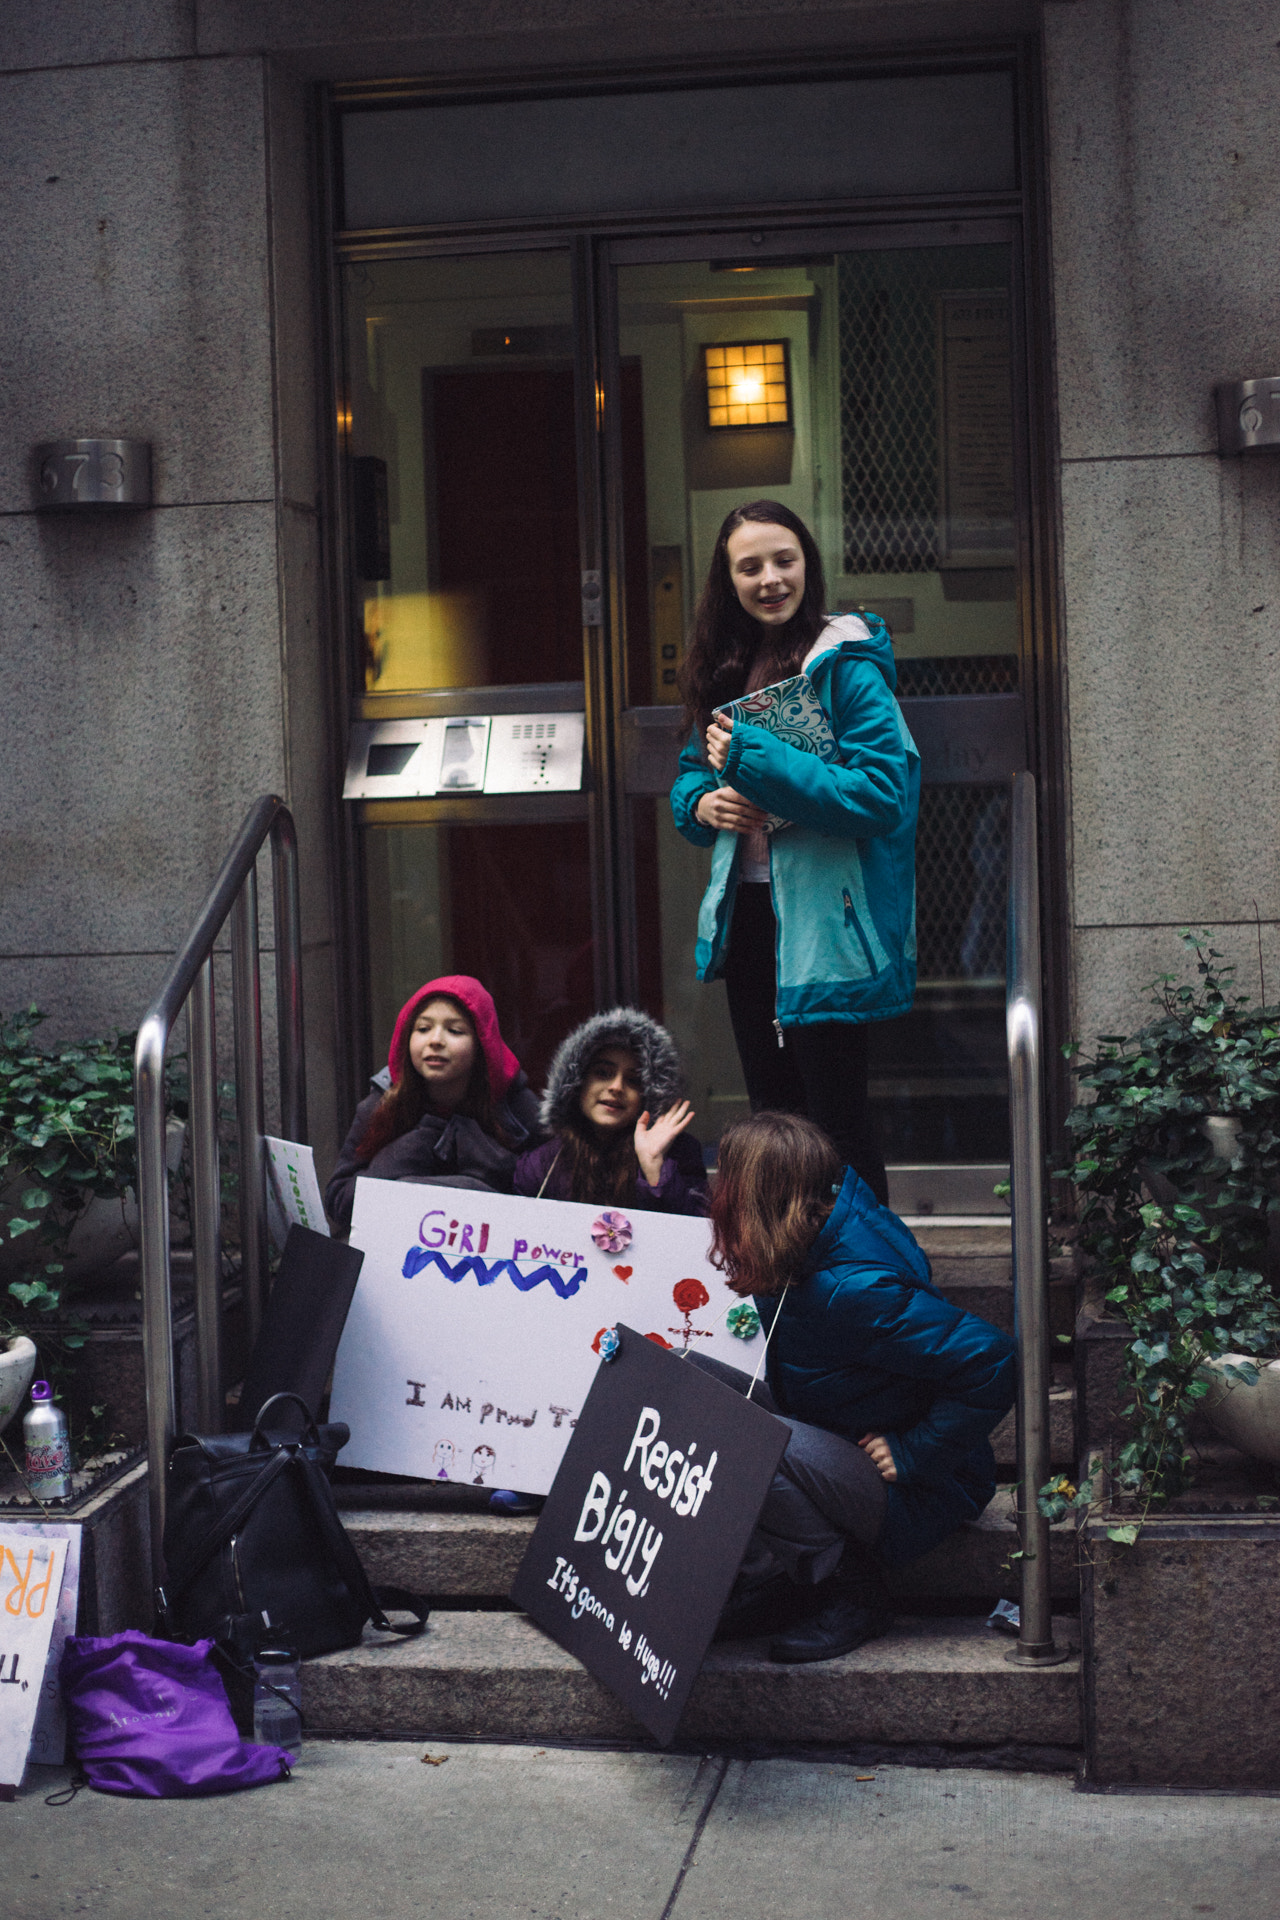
(467, 1556)
(496, 1676)
(973, 1268)
(941, 1677)
(1063, 1449)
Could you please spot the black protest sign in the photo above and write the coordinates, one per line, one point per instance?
(302, 1322)
(646, 1523)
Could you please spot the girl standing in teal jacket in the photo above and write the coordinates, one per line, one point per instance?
(812, 928)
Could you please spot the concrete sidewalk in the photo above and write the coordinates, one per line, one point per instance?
(367, 1828)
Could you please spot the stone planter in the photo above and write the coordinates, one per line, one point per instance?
(110, 1371)
(17, 1365)
(1180, 1684)
(115, 1547)
(1246, 1416)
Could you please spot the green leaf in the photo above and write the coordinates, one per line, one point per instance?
(34, 1198)
(1125, 1536)
(17, 1226)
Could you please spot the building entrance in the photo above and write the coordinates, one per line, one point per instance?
(541, 443)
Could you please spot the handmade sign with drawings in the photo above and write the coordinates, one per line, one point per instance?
(472, 1340)
(636, 1549)
(32, 1565)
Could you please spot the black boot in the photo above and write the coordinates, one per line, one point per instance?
(768, 1607)
(845, 1611)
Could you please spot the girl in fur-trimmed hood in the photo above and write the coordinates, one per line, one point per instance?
(617, 1123)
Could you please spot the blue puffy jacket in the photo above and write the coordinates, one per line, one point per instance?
(844, 880)
(863, 1344)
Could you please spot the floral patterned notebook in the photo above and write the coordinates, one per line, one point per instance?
(792, 712)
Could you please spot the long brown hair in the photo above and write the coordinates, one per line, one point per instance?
(778, 1180)
(407, 1098)
(726, 639)
(602, 1167)
(601, 1171)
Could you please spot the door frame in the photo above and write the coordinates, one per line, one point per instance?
(595, 246)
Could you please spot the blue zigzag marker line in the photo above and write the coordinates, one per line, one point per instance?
(487, 1271)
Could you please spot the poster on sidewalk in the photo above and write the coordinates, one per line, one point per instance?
(32, 1563)
(49, 1737)
(293, 1191)
(636, 1549)
(472, 1340)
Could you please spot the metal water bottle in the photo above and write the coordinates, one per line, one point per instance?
(44, 1429)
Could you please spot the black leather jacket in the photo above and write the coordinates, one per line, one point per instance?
(441, 1149)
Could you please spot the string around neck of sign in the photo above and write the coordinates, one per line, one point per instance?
(547, 1175)
(686, 1350)
(764, 1351)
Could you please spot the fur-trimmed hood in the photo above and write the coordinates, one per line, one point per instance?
(621, 1026)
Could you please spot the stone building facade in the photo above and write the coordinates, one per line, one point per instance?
(167, 206)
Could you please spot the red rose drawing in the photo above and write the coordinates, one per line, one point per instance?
(689, 1295)
(658, 1340)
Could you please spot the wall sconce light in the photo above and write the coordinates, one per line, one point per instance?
(748, 384)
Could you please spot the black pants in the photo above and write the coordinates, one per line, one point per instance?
(825, 1505)
(819, 1071)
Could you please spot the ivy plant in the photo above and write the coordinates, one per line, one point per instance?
(1177, 1229)
(66, 1133)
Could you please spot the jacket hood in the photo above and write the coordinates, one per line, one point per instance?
(869, 1233)
(621, 1026)
(503, 1065)
(863, 635)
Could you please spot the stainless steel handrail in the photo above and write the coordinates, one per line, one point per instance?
(189, 982)
(1036, 1645)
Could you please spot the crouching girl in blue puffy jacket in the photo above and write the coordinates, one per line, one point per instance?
(889, 1391)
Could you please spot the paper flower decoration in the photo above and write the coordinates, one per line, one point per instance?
(612, 1231)
(743, 1321)
(658, 1341)
(606, 1343)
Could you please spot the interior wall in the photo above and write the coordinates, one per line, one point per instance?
(1163, 124)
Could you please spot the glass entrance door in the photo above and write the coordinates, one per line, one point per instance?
(869, 388)
(461, 427)
(539, 456)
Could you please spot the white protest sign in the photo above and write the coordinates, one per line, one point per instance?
(293, 1191)
(31, 1569)
(49, 1740)
(470, 1345)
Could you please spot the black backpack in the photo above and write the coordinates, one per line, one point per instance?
(254, 1546)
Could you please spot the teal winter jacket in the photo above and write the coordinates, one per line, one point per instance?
(863, 1344)
(843, 873)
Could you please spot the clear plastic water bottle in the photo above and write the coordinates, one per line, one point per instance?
(277, 1700)
(44, 1429)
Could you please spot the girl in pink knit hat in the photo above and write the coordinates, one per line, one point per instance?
(452, 1108)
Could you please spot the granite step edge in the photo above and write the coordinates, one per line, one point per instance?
(499, 1676)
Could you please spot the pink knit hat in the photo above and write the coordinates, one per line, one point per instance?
(478, 1001)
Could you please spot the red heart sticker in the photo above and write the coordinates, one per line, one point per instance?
(623, 1273)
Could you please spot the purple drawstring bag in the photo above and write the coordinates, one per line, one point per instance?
(150, 1717)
